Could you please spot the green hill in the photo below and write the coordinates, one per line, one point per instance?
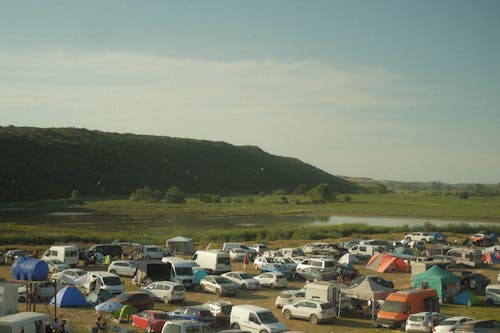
(50, 163)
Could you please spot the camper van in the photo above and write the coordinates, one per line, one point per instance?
(327, 291)
(465, 256)
(366, 251)
(103, 280)
(213, 261)
(68, 254)
(399, 305)
(23, 322)
(181, 271)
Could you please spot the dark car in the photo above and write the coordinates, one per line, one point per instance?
(479, 326)
(315, 274)
(474, 280)
(376, 279)
(199, 313)
(150, 320)
(139, 300)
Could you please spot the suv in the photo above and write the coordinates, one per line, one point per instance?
(123, 267)
(166, 291)
(492, 295)
(422, 321)
(314, 310)
(420, 236)
(324, 265)
(185, 326)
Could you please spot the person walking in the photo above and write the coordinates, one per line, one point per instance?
(245, 261)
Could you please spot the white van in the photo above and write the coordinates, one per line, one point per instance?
(213, 261)
(289, 252)
(185, 326)
(255, 319)
(23, 322)
(366, 251)
(181, 271)
(327, 291)
(68, 254)
(152, 252)
(226, 247)
(103, 280)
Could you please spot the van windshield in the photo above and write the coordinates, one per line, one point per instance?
(392, 306)
(267, 317)
(223, 260)
(112, 280)
(184, 270)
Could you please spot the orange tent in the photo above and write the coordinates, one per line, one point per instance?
(386, 262)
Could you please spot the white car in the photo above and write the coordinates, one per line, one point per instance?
(289, 297)
(314, 310)
(422, 322)
(166, 291)
(261, 261)
(237, 254)
(56, 265)
(420, 236)
(123, 267)
(450, 324)
(219, 285)
(492, 294)
(272, 280)
(72, 273)
(243, 279)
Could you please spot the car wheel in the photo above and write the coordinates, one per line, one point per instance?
(244, 286)
(489, 301)
(263, 331)
(287, 314)
(112, 271)
(166, 300)
(313, 319)
(235, 326)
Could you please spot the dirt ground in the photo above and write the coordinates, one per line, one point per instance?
(82, 319)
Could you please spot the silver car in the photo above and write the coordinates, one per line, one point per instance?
(166, 291)
(289, 297)
(123, 267)
(314, 310)
(450, 324)
(243, 279)
(422, 321)
(219, 285)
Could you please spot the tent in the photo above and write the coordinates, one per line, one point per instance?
(466, 298)
(123, 315)
(348, 259)
(69, 296)
(445, 283)
(401, 250)
(491, 255)
(150, 270)
(368, 290)
(439, 237)
(181, 245)
(98, 296)
(198, 275)
(385, 262)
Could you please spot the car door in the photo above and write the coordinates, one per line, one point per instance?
(300, 309)
(142, 319)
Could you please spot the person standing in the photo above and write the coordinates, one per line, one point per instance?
(245, 261)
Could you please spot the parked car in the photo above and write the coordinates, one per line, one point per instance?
(272, 280)
(72, 273)
(288, 263)
(220, 309)
(262, 260)
(56, 265)
(315, 311)
(123, 267)
(166, 291)
(150, 320)
(139, 300)
(185, 326)
(278, 268)
(420, 236)
(289, 297)
(243, 279)
(450, 324)
(259, 248)
(474, 280)
(377, 279)
(315, 274)
(198, 313)
(237, 254)
(14, 254)
(479, 326)
(422, 321)
(492, 294)
(219, 285)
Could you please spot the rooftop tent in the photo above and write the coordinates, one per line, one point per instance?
(348, 259)
(385, 262)
(368, 290)
(466, 298)
(181, 245)
(445, 283)
(152, 270)
(69, 296)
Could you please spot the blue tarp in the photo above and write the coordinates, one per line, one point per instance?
(69, 296)
(439, 236)
(466, 298)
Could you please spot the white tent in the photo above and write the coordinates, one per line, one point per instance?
(368, 290)
(181, 245)
(348, 259)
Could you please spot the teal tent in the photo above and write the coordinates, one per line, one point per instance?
(444, 282)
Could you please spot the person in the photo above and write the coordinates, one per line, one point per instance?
(245, 262)
(100, 324)
(435, 322)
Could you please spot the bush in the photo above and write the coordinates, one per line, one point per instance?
(175, 195)
(145, 194)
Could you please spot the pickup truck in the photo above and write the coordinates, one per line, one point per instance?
(420, 236)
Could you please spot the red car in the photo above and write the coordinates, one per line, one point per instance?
(150, 320)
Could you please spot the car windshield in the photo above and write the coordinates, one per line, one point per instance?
(112, 280)
(449, 322)
(326, 306)
(246, 276)
(179, 287)
(160, 315)
(221, 280)
(267, 317)
(184, 270)
(392, 306)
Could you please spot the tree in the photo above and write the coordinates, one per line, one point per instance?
(322, 193)
(463, 195)
(301, 189)
(175, 195)
(145, 194)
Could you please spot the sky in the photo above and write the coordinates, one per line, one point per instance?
(394, 90)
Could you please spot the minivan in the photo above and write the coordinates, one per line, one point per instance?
(213, 261)
(152, 252)
(113, 250)
(255, 319)
(68, 254)
(181, 270)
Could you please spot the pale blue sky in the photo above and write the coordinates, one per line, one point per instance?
(400, 90)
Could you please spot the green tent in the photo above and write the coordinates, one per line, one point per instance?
(444, 282)
(123, 315)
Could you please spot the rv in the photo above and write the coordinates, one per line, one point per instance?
(181, 271)
(68, 254)
(399, 305)
(213, 261)
(366, 251)
(328, 291)
(465, 256)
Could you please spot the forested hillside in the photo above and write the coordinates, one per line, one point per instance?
(50, 163)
